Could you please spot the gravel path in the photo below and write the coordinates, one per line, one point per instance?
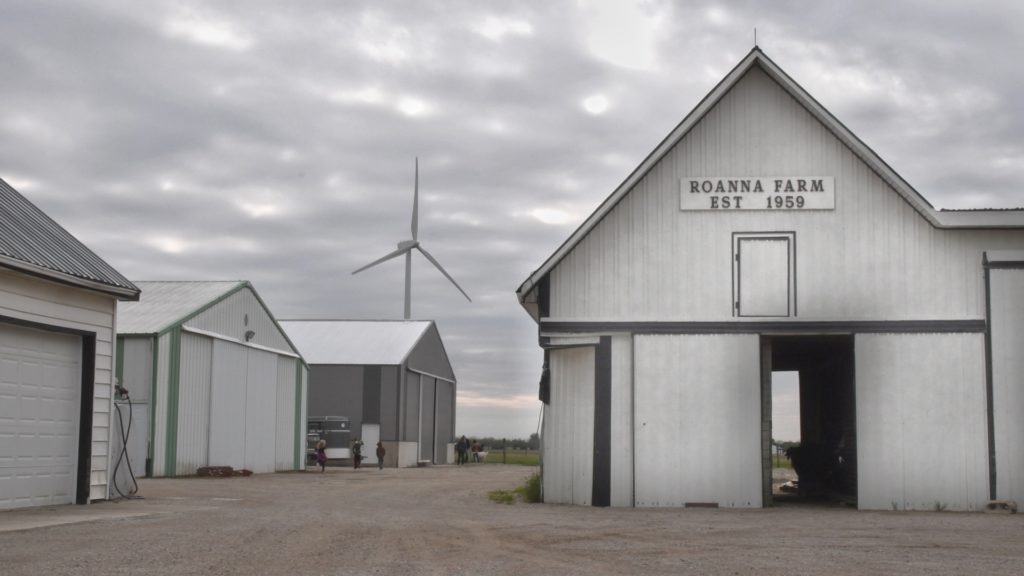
(439, 521)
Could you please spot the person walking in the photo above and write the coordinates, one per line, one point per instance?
(321, 454)
(357, 453)
(380, 455)
(462, 446)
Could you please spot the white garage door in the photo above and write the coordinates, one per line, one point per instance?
(40, 385)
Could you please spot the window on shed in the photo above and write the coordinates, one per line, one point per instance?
(764, 274)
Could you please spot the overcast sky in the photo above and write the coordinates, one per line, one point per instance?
(274, 142)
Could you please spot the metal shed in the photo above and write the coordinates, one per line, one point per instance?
(57, 313)
(391, 379)
(214, 381)
(762, 235)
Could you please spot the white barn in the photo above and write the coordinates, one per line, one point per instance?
(762, 235)
(214, 381)
(58, 303)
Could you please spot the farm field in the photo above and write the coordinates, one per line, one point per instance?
(439, 520)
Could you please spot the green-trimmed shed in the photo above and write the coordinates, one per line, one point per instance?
(214, 381)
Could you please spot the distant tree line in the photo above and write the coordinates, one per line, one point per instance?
(492, 443)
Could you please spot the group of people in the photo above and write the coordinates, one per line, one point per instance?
(357, 454)
(464, 447)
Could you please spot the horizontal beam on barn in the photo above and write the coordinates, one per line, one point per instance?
(809, 327)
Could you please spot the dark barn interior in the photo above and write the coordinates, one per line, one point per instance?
(826, 459)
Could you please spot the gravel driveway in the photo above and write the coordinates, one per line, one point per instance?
(439, 521)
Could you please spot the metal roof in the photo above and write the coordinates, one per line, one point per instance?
(358, 342)
(938, 219)
(164, 304)
(30, 241)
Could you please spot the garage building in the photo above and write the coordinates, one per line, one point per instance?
(760, 236)
(213, 379)
(391, 379)
(58, 304)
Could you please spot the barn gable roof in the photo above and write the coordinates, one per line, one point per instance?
(166, 304)
(757, 58)
(32, 242)
(356, 342)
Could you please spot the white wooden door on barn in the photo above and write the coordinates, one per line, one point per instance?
(698, 420)
(764, 279)
(568, 432)
(370, 437)
(40, 390)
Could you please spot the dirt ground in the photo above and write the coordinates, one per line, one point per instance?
(439, 521)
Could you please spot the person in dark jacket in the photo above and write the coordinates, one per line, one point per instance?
(462, 447)
(321, 454)
(357, 453)
(380, 455)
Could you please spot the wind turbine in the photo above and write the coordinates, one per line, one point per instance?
(407, 246)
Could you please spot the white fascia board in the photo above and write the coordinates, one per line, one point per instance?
(982, 219)
(126, 294)
(217, 336)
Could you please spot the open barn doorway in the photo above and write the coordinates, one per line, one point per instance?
(816, 461)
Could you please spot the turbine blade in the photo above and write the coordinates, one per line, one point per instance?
(443, 271)
(389, 256)
(416, 201)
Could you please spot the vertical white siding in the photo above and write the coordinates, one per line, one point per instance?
(163, 356)
(285, 431)
(1007, 318)
(27, 298)
(622, 421)
(698, 420)
(260, 411)
(568, 434)
(195, 376)
(228, 317)
(921, 422)
(228, 405)
(873, 257)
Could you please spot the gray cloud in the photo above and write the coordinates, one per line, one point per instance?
(224, 140)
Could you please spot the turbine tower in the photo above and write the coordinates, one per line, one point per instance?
(407, 246)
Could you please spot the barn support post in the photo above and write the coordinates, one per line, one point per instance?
(766, 422)
(601, 489)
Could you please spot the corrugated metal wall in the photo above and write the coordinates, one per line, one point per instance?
(568, 433)
(228, 405)
(698, 420)
(228, 317)
(873, 257)
(160, 405)
(1007, 293)
(137, 377)
(410, 406)
(285, 430)
(445, 420)
(137, 362)
(921, 422)
(622, 421)
(260, 411)
(194, 403)
(428, 389)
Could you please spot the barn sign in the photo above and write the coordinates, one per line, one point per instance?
(776, 193)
